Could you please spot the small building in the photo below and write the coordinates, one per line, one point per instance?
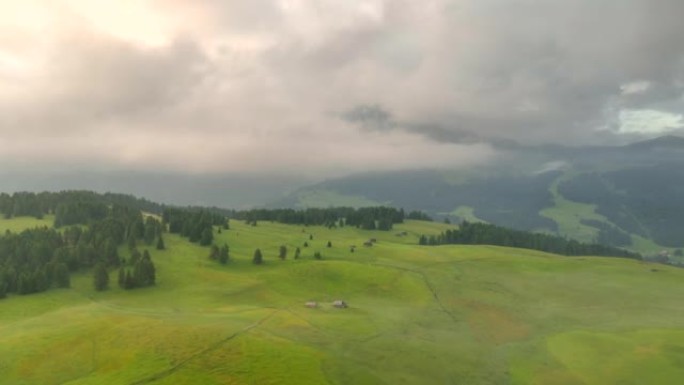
(340, 304)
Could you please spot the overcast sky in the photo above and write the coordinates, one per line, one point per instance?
(322, 87)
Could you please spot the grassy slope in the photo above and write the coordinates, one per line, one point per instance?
(568, 214)
(419, 315)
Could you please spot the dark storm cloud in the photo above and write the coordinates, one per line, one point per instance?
(212, 82)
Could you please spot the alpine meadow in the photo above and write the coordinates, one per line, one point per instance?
(417, 314)
(342, 192)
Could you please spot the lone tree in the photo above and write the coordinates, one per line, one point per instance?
(282, 253)
(160, 243)
(297, 252)
(329, 244)
(311, 237)
(214, 252)
(258, 259)
(306, 244)
(224, 254)
(318, 255)
(100, 277)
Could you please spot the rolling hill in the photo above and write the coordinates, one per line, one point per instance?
(417, 315)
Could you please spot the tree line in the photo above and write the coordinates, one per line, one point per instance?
(196, 225)
(487, 234)
(368, 218)
(39, 204)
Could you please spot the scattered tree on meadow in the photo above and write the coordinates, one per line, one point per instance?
(297, 252)
(160, 243)
(318, 255)
(224, 254)
(213, 252)
(306, 244)
(258, 259)
(282, 252)
(329, 244)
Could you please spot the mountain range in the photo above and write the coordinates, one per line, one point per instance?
(630, 196)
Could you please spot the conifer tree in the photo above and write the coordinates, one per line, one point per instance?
(207, 237)
(258, 258)
(223, 254)
(100, 277)
(282, 253)
(160, 243)
(213, 252)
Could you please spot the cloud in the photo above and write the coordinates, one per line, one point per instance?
(327, 86)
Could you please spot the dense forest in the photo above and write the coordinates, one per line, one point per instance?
(487, 234)
(196, 225)
(36, 260)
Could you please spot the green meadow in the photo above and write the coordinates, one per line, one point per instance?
(417, 315)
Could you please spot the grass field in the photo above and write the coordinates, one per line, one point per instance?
(418, 315)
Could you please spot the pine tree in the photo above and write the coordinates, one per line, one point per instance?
(422, 240)
(297, 252)
(258, 258)
(318, 255)
(160, 243)
(207, 237)
(149, 272)
(329, 244)
(282, 254)
(213, 252)
(224, 254)
(100, 277)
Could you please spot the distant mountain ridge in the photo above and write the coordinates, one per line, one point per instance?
(626, 195)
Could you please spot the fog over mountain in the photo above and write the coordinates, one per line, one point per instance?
(309, 90)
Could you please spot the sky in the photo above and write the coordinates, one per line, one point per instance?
(328, 87)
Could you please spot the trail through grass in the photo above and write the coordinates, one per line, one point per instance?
(417, 315)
